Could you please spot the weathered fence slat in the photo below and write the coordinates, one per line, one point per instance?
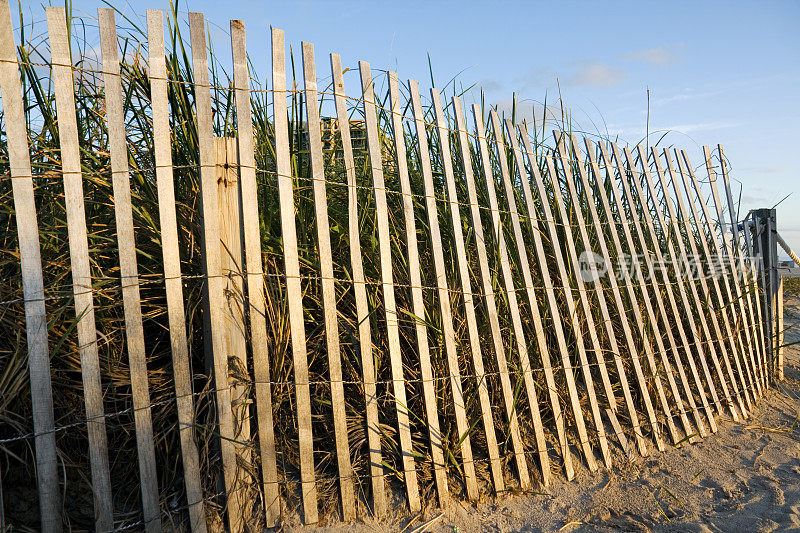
(233, 327)
(746, 317)
(32, 281)
(294, 293)
(79, 262)
(387, 282)
(712, 310)
(505, 176)
(488, 289)
(740, 320)
(616, 195)
(668, 287)
(558, 253)
(702, 346)
(346, 481)
(360, 293)
(636, 353)
(750, 292)
(526, 176)
(652, 289)
(488, 423)
(707, 304)
(599, 292)
(418, 308)
(689, 308)
(168, 223)
(708, 232)
(255, 274)
(533, 304)
(686, 347)
(519, 336)
(126, 245)
(466, 286)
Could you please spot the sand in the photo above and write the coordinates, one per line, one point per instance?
(746, 477)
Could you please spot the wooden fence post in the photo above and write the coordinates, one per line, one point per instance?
(767, 246)
(233, 315)
(779, 337)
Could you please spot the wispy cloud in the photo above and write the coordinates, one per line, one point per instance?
(597, 75)
(584, 72)
(765, 170)
(658, 56)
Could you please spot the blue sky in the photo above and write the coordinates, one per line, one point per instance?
(718, 72)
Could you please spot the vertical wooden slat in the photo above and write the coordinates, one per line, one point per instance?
(346, 482)
(628, 284)
(533, 303)
(737, 265)
(387, 283)
(32, 281)
(463, 266)
(562, 151)
(681, 258)
(688, 313)
(708, 233)
(418, 308)
(558, 254)
(477, 357)
(79, 261)
(616, 194)
(568, 294)
(172, 270)
(522, 351)
(651, 290)
(213, 270)
(601, 297)
(698, 302)
(668, 287)
(708, 301)
(126, 245)
(294, 292)
(255, 274)
(360, 293)
(524, 260)
(741, 319)
(715, 283)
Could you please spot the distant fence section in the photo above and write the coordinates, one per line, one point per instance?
(408, 297)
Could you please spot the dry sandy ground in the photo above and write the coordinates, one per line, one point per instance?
(746, 477)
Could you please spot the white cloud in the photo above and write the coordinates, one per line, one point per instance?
(597, 75)
(766, 170)
(659, 56)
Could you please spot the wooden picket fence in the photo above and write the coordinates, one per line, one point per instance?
(536, 358)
